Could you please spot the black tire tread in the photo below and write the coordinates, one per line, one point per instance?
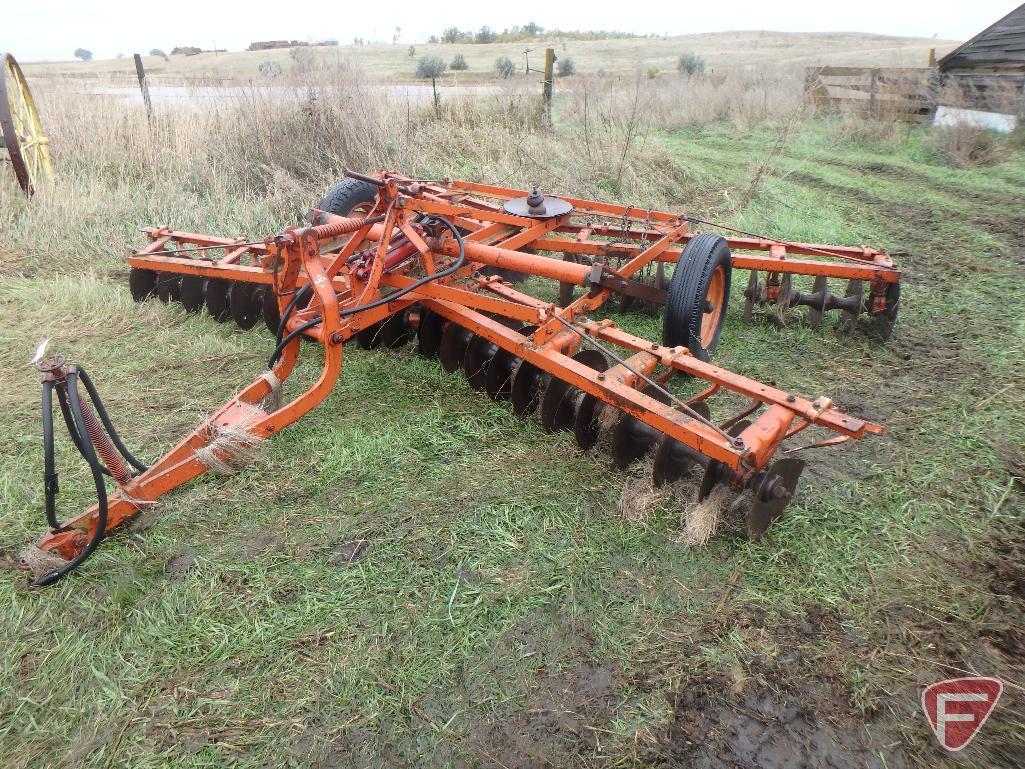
(688, 289)
(346, 195)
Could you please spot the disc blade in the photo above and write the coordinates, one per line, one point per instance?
(498, 382)
(586, 413)
(428, 333)
(854, 288)
(701, 408)
(142, 283)
(631, 440)
(592, 359)
(557, 405)
(713, 472)
(245, 304)
(672, 460)
(763, 512)
(193, 292)
(559, 398)
(395, 331)
(783, 298)
(751, 295)
(527, 381)
(217, 299)
(815, 313)
(454, 340)
(477, 361)
(169, 286)
(271, 311)
(368, 338)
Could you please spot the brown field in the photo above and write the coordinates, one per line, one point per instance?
(392, 63)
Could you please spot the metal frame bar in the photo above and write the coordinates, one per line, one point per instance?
(351, 276)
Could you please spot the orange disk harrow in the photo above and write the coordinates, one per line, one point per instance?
(386, 258)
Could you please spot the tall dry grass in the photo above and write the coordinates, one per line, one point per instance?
(740, 97)
(256, 161)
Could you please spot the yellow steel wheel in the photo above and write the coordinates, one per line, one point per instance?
(27, 145)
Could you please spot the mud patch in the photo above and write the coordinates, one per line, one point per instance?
(345, 554)
(262, 543)
(181, 564)
(563, 718)
(762, 727)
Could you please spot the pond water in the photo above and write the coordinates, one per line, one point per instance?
(204, 95)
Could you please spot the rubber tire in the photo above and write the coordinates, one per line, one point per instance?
(681, 325)
(346, 195)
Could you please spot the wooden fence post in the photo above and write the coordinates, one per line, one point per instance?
(873, 90)
(546, 89)
(142, 85)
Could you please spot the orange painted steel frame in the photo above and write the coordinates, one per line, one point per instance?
(315, 255)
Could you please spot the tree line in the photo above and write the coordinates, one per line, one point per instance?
(516, 34)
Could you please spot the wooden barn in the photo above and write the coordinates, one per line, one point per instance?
(988, 72)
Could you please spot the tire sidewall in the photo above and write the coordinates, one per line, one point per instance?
(688, 289)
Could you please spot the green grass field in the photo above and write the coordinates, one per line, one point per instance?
(412, 576)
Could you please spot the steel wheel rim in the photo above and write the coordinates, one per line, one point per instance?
(27, 144)
(714, 297)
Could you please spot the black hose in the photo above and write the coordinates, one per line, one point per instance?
(289, 309)
(69, 421)
(50, 483)
(107, 424)
(458, 263)
(101, 491)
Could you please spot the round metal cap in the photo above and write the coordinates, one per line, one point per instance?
(551, 208)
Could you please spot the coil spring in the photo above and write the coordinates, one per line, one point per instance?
(104, 447)
(334, 229)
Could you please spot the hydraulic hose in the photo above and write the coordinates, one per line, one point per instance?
(85, 433)
(50, 482)
(89, 453)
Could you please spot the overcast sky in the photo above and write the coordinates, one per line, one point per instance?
(52, 29)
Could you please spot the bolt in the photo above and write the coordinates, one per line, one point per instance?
(601, 377)
(654, 345)
(791, 399)
(337, 337)
(738, 443)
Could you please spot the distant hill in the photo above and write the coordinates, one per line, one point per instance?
(393, 63)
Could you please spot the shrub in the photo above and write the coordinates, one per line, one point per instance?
(84, 54)
(652, 72)
(430, 67)
(565, 68)
(690, 64)
(964, 145)
(504, 67)
(302, 57)
(412, 52)
(600, 72)
(459, 63)
(158, 52)
(269, 68)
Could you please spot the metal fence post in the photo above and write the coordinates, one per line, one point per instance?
(142, 85)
